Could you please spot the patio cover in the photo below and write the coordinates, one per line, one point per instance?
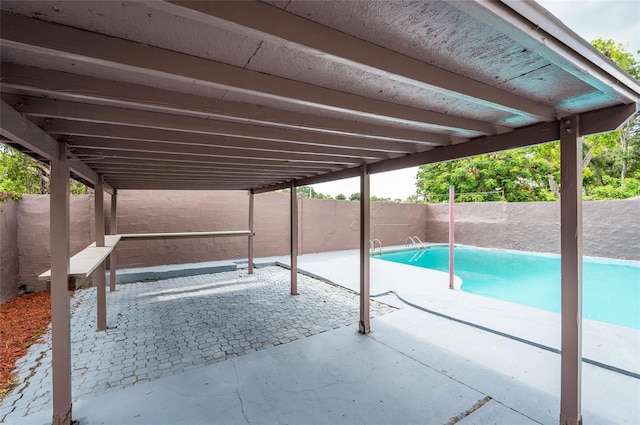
(269, 95)
(250, 95)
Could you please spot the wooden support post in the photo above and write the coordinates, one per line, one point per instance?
(364, 326)
(60, 305)
(99, 274)
(250, 255)
(294, 240)
(113, 258)
(571, 266)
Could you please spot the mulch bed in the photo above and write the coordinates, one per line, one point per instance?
(23, 320)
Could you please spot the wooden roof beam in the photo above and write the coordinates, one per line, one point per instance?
(59, 85)
(268, 22)
(15, 127)
(219, 153)
(109, 131)
(534, 134)
(33, 35)
(117, 167)
(99, 154)
(82, 112)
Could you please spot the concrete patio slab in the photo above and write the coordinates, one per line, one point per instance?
(408, 370)
(339, 377)
(611, 345)
(519, 376)
(414, 367)
(161, 328)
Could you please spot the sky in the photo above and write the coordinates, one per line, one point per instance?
(618, 20)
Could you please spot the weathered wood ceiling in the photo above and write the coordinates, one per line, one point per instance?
(255, 95)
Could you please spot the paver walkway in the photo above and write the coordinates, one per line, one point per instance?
(161, 328)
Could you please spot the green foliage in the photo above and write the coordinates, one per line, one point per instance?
(515, 176)
(611, 165)
(306, 192)
(615, 189)
(618, 53)
(533, 174)
(20, 174)
(309, 192)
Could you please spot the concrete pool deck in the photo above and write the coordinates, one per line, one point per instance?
(414, 367)
(611, 345)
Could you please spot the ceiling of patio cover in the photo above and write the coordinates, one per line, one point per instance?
(256, 95)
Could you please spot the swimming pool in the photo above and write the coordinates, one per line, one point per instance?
(611, 288)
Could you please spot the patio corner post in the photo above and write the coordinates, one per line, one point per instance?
(294, 239)
(571, 271)
(250, 246)
(99, 275)
(60, 304)
(113, 257)
(364, 326)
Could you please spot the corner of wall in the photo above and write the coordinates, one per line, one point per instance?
(9, 259)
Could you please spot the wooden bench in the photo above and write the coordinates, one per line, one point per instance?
(85, 262)
(178, 235)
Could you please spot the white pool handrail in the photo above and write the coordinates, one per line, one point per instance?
(372, 246)
(415, 242)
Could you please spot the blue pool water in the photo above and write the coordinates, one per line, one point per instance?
(611, 288)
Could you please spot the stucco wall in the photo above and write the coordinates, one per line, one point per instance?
(9, 265)
(610, 228)
(325, 225)
(33, 234)
(328, 225)
(192, 211)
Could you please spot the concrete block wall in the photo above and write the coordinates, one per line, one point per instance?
(328, 225)
(9, 264)
(271, 225)
(180, 211)
(33, 234)
(325, 225)
(610, 228)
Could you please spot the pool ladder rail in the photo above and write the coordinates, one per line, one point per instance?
(415, 242)
(417, 255)
(372, 247)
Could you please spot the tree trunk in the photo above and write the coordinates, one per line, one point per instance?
(554, 186)
(624, 145)
(589, 155)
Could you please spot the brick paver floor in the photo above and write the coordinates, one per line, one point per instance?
(165, 327)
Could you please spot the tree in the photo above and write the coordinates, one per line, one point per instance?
(340, 197)
(515, 176)
(611, 163)
(374, 198)
(618, 54)
(306, 192)
(20, 174)
(354, 196)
